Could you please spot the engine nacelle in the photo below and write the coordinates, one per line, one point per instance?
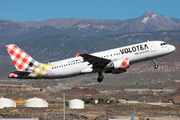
(118, 66)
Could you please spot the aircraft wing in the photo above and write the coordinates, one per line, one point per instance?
(94, 60)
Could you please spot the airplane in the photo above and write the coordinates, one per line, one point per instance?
(113, 61)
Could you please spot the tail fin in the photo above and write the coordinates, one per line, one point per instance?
(26, 66)
(21, 60)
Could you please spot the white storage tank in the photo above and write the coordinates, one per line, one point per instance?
(5, 102)
(76, 104)
(122, 101)
(35, 102)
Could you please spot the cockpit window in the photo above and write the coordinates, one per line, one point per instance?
(163, 44)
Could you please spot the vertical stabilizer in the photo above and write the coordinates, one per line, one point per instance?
(26, 66)
(21, 60)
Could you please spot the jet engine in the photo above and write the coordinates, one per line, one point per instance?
(118, 66)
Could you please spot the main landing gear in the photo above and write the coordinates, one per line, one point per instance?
(100, 77)
(155, 64)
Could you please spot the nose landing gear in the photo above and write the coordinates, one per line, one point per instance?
(155, 64)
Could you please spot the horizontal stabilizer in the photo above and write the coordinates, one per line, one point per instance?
(21, 74)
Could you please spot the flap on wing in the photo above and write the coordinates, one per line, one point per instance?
(96, 61)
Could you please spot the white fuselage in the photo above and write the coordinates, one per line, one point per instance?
(135, 53)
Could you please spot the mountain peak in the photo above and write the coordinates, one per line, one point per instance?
(147, 14)
(145, 17)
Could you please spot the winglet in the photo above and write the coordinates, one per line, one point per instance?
(78, 54)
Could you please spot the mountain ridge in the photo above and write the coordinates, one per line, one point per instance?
(149, 18)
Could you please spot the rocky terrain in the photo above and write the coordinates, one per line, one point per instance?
(94, 112)
(90, 112)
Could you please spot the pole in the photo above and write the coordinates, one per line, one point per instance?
(144, 97)
(20, 95)
(64, 103)
(169, 115)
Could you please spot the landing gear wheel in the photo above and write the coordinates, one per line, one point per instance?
(156, 66)
(100, 78)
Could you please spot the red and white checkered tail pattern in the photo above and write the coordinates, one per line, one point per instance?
(21, 60)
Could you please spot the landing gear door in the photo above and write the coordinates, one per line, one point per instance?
(153, 47)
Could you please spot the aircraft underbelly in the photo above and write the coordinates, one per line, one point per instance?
(69, 71)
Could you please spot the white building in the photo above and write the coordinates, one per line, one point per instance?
(5, 102)
(76, 104)
(35, 102)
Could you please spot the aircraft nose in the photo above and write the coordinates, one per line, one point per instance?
(172, 48)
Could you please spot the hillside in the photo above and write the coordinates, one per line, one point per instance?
(45, 51)
(51, 48)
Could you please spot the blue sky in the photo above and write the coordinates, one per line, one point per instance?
(39, 10)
